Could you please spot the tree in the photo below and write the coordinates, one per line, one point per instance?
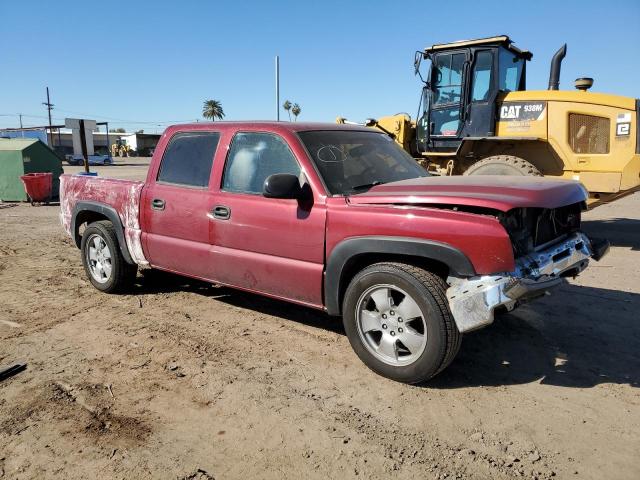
(287, 106)
(296, 111)
(117, 130)
(212, 110)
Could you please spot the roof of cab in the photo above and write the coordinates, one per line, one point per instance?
(503, 40)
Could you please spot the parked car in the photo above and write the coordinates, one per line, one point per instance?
(93, 159)
(340, 219)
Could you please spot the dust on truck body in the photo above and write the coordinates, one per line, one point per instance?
(339, 219)
(476, 117)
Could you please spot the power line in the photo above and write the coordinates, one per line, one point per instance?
(157, 123)
(150, 122)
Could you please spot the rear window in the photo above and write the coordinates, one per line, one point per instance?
(188, 159)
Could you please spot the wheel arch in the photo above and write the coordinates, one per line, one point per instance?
(353, 254)
(89, 212)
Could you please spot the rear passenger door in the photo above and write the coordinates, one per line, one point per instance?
(273, 246)
(176, 205)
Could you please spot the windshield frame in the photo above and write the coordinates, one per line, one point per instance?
(319, 173)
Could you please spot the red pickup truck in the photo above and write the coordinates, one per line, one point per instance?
(340, 219)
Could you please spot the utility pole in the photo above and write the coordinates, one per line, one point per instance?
(49, 106)
(21, 131)
(277, 88)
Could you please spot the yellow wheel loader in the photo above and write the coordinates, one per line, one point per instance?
(477, 118)
(120, 148)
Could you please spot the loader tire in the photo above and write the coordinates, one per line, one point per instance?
(503, 165)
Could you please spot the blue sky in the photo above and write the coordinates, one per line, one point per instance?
(146, 64)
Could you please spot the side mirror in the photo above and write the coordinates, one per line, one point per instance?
(417, 60)
(282, 185)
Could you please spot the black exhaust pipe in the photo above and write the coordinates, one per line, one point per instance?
(556, 62)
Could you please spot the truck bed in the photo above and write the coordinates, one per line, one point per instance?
(122, 195)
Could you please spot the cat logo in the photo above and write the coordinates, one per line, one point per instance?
(521, 111)
(510, 111)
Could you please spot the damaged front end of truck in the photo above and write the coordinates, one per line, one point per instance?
(548, 247)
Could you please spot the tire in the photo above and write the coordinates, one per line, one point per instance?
(503, 165)
(422, 357)
(103, 262)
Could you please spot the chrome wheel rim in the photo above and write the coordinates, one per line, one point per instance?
(98, 259)
(391, 325)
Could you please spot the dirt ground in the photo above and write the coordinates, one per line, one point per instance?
(184, 380)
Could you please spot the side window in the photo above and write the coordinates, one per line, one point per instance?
(510, 71)
(482, 77)
(447, 78)
(252, 158)
(447, 81)
(188, 159)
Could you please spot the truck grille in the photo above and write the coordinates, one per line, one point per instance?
(532, 228)
(588, 134)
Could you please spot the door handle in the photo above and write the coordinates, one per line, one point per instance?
(221, 212)
(157, 204)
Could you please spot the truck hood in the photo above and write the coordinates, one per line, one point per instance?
(496, 192)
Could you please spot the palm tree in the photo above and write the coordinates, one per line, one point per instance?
(296, 111)
(212, 110)
(287, 106)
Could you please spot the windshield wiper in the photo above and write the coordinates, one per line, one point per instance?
(366, 186)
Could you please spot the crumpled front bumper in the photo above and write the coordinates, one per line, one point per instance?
(473, 300)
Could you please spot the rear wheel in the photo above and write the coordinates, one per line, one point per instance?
(398, 322)
(103, 262)
(503, 165)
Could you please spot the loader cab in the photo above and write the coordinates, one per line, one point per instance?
(462, 87)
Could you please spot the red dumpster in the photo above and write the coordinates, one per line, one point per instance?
(38, 186)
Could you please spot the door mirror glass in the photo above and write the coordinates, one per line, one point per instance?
(282, 185)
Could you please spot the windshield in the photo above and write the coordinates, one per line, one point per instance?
(353, 162)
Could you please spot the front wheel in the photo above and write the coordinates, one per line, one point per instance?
(103, 262)
(398, 322)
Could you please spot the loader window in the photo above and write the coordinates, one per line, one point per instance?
(482, 76)
(446, 79)
(510, 68)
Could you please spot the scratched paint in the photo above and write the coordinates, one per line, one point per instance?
(123, 195)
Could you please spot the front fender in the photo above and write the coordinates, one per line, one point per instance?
(350, 248)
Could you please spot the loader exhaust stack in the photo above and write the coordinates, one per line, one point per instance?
(556, 62)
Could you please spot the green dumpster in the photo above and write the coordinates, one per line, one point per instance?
(25, 155)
